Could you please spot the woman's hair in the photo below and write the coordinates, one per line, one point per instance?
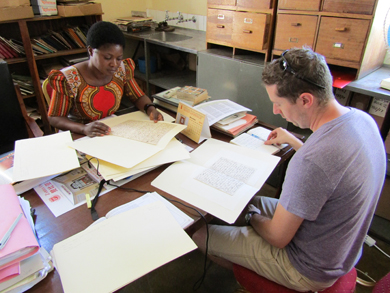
(102, 33)
(312, 75)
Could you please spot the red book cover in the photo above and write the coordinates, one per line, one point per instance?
(4, 52)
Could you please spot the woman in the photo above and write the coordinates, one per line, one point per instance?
(93, 89)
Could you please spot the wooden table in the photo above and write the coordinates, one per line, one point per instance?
(51, 230)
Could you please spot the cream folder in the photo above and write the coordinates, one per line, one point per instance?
(44, 156)
(119, 250)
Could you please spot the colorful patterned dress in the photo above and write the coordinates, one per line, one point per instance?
(72, 97)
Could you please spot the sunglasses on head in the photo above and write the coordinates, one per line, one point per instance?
(286, 67)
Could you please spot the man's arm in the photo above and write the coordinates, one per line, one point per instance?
(279, 230)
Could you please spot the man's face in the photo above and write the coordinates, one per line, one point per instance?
(282, 106)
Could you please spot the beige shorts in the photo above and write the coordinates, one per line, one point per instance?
(243, 246)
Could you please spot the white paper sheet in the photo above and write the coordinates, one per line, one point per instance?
(219, 109)
(44, 156)
(178, 179)
(108, 256)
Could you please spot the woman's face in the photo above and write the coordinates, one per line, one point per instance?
(106, 58)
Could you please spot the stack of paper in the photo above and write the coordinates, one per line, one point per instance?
(22, 262)
(170, 99)
(134, 145)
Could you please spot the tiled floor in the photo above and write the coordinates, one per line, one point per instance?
(181, 275)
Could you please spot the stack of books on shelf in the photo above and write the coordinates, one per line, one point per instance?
(11, 48)
(51, 42)
(190, 95)
(44, 7)
(68, 38)
(22, 262)
(25, 84)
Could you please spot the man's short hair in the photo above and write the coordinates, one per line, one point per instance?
(103, 33)
(297, 71)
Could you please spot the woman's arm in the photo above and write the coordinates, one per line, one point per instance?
(151, 111)
(92, 129)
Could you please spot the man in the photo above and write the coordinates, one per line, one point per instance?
(313, 234)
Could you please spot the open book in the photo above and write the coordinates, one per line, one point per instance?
(255, 138)
(182, 218)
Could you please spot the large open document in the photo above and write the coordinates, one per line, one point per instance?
(219, 178)
(132, 140)
(119, 250)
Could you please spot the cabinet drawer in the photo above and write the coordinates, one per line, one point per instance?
(312, 5)
(219, 26)
(250, 30)
(342, 38)
(222, 2)
(295, 31)
(349, 6)
(253, 4)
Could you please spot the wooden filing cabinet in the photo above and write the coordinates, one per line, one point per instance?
(220, 26)
(308, 5)
(244, 24)
(349, 33)
(295, 30)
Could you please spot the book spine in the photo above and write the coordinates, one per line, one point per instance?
(8, 47)
(80, 35)
(70, 36)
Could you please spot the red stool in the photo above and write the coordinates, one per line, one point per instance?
(253, 283)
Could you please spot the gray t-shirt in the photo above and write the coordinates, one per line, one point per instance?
(333, 182)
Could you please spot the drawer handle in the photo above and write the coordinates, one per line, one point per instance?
(220, 26)
(293, 40)
(248, 20)
(247, 31)
(221, 16)
(338, 45)
(340, 29)
(296, 24)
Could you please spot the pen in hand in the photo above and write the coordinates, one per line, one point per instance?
(7, 235)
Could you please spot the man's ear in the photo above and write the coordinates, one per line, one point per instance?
(306, 100)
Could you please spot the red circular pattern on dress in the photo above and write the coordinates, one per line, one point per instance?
(103, 101)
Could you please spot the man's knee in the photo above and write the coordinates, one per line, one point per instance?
(199, 237)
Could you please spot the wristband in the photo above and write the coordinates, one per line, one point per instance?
(248, 217)
(146, 107)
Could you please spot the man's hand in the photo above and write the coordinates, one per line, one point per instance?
(280, 136)
(252, 208)
(96, 129)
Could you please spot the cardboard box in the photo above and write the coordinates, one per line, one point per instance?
(19, 12)
(14, 3)
(45, 9)
(44, 2)
(79, 10)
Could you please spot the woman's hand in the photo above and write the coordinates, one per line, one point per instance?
(280, 136)
(96, 129)
(154, 114)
